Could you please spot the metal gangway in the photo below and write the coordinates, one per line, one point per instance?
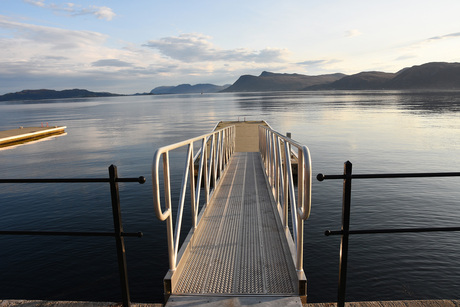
(245, 245)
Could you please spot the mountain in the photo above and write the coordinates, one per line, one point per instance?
(435, 75)
(268, 81)
(52, 94)
(361, 81)
(429, 76)
(187, 89)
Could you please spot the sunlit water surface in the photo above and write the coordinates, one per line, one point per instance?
(376, 131)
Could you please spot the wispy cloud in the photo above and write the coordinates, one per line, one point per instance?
(72, 9)
(437, 38)
(421, 43)
(194, 47)
(39, 3)
(101, 12)
(405, 57)
(111, 63)
(316, 63)
(352, 33)
(57, 38)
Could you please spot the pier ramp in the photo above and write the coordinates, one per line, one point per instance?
(243, 249)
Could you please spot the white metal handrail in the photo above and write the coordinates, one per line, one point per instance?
(212, 157)
(277, 152)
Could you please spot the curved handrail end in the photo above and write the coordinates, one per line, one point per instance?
(156, 188)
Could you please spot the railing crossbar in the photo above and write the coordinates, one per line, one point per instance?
(321, 177)
(140, 179)
(69, 233)
(347, 177)
(396, 230)
(117, 233)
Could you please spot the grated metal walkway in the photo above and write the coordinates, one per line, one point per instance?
(239, 246)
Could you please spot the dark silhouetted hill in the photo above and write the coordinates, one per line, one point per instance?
(52, 94)
(268, 81)
(188, 89)
(429, 76)
(361, 81)
(435, 75)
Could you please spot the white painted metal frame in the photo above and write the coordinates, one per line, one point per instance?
(277, 152)
(212, 157)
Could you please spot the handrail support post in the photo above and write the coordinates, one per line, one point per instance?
(346, 208)
(118, 229)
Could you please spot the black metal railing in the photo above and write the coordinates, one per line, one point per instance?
(346, 206)
(117, 222)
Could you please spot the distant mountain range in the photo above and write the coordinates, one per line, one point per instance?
(52, 94)
(268, 81)
(188, 89)
(429, 76)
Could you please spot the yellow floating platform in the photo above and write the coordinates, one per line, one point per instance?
(27, 134)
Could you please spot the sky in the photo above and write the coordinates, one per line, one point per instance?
(134, 46)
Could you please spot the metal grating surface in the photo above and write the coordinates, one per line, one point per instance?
(238, 246)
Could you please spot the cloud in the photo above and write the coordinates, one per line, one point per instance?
(42, 35)
(312, 62)
(437, 38)
(39, 3)
(51, 57)
(352, 33)
(316, 63)
(421, 43)
(35, 56)
(100, 12)
(111, 63)
(405, 57)
(194, 47)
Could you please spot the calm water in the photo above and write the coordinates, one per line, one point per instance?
(377, 131)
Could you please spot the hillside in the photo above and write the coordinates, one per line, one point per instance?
(52, 94)
(360, 81)
(427, 76)
(268, 81)
(187, 89)
(436, 75)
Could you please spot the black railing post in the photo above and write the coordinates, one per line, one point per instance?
(346, 209)
(118, 228)
(346, 204)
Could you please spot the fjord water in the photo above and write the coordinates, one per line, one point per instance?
(379, 132)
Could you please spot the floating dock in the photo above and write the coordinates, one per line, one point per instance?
(27, 134)
(247, 134)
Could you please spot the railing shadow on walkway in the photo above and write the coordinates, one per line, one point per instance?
(118, 232)
(345, 231)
